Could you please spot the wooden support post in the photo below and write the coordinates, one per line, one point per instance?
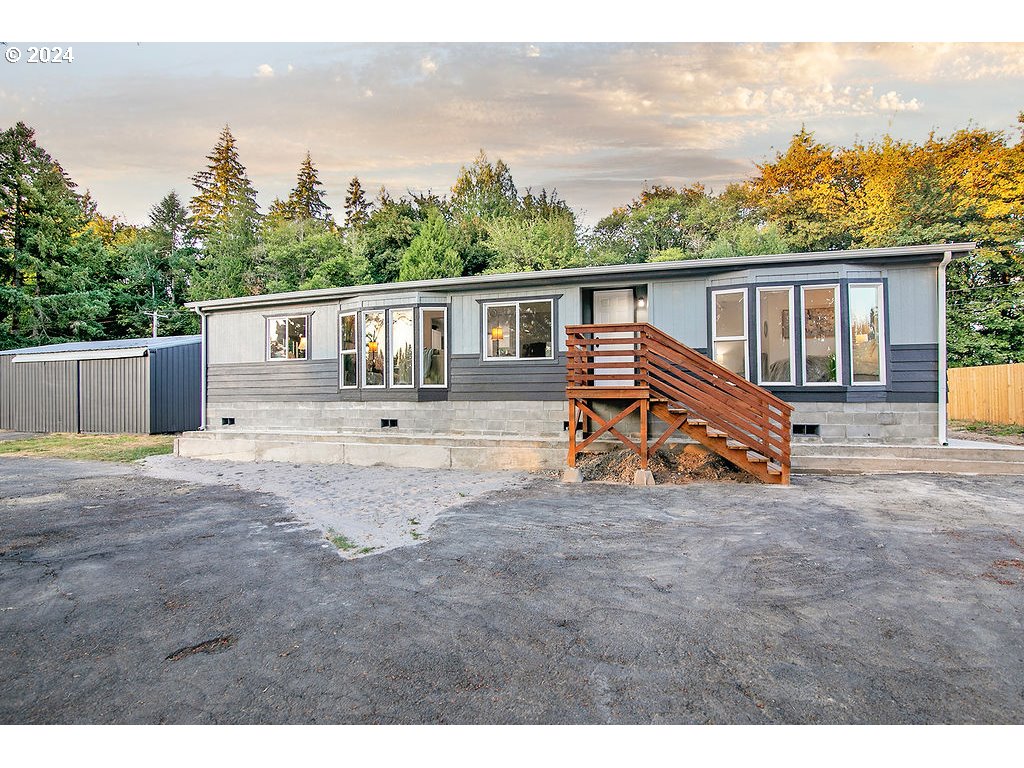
(572, 432)
(644, 405)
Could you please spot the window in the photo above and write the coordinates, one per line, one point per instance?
(401, 347)
(775, 336)
(347, 376)
(867, 343)
(374, 349)
(433, 335)
(729, 330)
(820, 335)
(287, 338)
(520, 330)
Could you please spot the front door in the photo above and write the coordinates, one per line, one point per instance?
(615, 306)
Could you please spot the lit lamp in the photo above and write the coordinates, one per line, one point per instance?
(302, 344)
(372, 346)
(497, 334)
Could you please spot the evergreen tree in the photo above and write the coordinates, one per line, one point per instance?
(357, 207)
(225, 217)
(53, 268)
(306, 200)
(432, 252)
(387, 235)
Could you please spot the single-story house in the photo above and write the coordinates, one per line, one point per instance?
(142, 386)
(853, 341)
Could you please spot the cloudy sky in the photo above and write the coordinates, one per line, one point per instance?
(130, 122)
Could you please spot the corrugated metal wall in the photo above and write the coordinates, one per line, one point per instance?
(156, 393)
(38, 397)
(175, 381)
(114, 395)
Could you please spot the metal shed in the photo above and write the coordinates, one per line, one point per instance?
(141, 386)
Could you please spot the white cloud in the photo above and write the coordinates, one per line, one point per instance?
(893, 102)
(264, 70)
(368, 93)
(428, 66)
(533, 51)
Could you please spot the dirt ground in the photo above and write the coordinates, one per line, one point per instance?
(677, 465)
(846, 599)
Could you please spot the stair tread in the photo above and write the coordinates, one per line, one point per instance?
(774, 469)
(756, 457)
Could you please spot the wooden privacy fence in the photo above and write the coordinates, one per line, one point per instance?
(993, 393)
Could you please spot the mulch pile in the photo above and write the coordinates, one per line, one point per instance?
(678, 464)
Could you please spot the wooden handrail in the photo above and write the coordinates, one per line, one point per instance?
(665, 369)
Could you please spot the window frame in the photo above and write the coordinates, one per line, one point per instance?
(485, 341)
(838, 325)
(389, 324)
(444, 314)
(354, 352)
(306, 355)
(745, 338)
(789, 289)
(879, 287)
(362, 349)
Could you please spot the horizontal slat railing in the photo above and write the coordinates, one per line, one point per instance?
(662, 368)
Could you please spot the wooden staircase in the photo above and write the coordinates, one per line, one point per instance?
(653, 374)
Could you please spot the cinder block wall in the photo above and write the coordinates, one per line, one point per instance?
(889, 423)
(518, 417)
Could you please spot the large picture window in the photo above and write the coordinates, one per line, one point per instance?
(347, 352)
(729, 329)
(433, 337)
(401, 347)
(288, 338)
(867, 341)
(374, 349)
(821, 361)
(519, 330)
(775, 338)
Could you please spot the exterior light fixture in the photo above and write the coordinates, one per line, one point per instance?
(641, 302)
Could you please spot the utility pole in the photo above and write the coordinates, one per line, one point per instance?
(155, 315)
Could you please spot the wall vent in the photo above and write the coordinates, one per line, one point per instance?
(388, 423)
(227, 421)
(806, 429)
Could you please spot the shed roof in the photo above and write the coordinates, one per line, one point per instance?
(900, 254)
(70, 348)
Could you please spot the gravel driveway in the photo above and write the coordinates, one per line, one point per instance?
(125, 598)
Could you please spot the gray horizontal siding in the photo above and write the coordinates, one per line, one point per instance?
(913, 378)
(473, 379)
(289, 381)
(296, 382)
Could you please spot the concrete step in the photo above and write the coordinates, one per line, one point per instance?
(957, 458)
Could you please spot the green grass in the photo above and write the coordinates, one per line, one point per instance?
(90, 447)
(342, 542)
(366, 550)
(987, 428)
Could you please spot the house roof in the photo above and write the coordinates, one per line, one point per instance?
(908, 253)
(84, 350)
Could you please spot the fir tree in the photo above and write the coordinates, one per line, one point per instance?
(357, 208)
(306, 200)
(223, 190)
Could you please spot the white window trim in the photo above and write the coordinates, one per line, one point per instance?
(444, 321)
(362, 349)
(306, 354)
(715, 338)
(516, 303)
(389, 324)
(880, 294)
(838, 335)
(792, 336)
(353, 353)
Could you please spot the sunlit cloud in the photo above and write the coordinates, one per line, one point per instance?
(593, 120)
